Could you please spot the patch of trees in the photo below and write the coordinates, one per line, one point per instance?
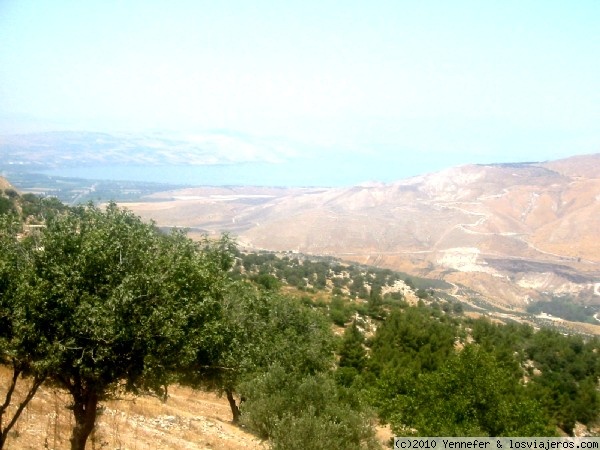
(470, 394)
(9, 201)
(280, 363)
(431, 383)
(561, 371)
(28, 208)
(568, 383)
(565, 308)
(351, 289)
(318, 274)
(307, 412)
(429, 373)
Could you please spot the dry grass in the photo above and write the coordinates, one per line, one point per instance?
(187, 420)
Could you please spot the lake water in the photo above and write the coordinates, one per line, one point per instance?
(296, 173)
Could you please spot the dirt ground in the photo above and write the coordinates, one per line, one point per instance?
(189, 419)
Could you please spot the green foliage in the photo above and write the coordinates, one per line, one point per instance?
(567, 385)
(115, 301)
(471, 394)
(457, 308)
(563, 370)
(28, 208)
(565, 308)
(422, 294)
(295, 337)
(411, 340)
(352, 354)
(322, 274)
(11, 193)
(262, 328)
(339, 311)
(6, 205)
(121, 296)
(506, 342)
(20, 348)
(308, 412)
(267, 281)
(375, 303)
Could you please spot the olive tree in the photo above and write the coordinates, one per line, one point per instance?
(264, 328)
(122, 306)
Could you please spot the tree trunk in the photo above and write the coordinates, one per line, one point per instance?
(36, 383)
(84, 410)
(235, 410)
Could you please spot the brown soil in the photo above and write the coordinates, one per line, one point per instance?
(189, 419)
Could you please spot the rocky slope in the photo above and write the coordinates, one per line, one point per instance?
(512, 232)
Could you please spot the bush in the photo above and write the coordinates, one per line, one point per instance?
(305, 412)
(343, 429)
(268, 281)
(339, 317)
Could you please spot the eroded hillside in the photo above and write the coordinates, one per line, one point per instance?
(512, 232)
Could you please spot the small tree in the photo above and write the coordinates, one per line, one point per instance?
(122, 306)
(262, 329)
(352, 355)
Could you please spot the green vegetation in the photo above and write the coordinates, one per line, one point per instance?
(562, 372)
(96, 302)
(107, 303)
(349, 289)
(470, 394)
(265, 330)
(77, 191)
(565, 308)
(306, 412)
(568, 383)
(28, 208)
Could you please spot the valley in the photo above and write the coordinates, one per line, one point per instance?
(429, 324)
(507, 235)
(513, 234)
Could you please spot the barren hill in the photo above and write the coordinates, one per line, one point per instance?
(4, 184)
(512, 232)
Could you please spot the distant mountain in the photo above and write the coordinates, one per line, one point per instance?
(51, 150)
(513, 233)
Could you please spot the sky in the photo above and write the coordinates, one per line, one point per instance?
(395, 88)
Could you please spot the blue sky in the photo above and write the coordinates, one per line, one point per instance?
(398, 86)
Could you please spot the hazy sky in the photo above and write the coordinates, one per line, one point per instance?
(448, 81)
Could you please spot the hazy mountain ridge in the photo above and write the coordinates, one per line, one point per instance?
(513, 232)
(62, 149)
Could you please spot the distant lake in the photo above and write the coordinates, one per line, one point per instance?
(296, 173)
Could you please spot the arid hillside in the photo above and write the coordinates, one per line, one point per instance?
(511, 232)
(187, 420)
